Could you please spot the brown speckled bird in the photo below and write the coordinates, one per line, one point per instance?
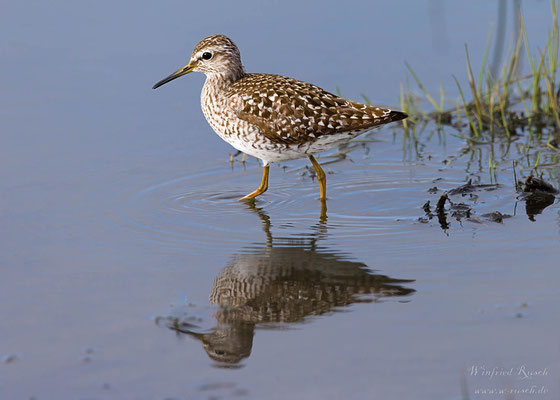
(272, 117)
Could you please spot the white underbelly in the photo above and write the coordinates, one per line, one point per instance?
(259, 146)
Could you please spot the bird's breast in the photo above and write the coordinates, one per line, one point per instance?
(215, 111)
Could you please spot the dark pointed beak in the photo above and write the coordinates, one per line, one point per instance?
(180, 72)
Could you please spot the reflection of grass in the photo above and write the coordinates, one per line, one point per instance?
(507, 104)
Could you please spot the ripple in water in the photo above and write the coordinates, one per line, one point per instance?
(198, 209)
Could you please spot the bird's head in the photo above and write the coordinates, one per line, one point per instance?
(215, 55)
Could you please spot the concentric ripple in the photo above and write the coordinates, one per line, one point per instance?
(198, 210)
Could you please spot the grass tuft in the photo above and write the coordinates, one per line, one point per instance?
(509, 104)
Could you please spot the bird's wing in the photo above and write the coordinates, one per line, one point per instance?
(289, 111)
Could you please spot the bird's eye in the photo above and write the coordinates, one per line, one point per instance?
(206, 55)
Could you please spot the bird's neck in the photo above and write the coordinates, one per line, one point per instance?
(221, 80)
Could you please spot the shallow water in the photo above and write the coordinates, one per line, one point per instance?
(129, 270)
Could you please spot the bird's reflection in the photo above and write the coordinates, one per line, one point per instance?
(278, 283)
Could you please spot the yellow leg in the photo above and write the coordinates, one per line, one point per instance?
(321, 177)
(261, 189)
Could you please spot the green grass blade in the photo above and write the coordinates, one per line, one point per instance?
(553, 46)
(465, 110)
(502, 106)
(526, 43)
(535, 103)
(522, 98)
(404, 107)
(553, 102)
(428, 96)
(441, 96)
(477, 104)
